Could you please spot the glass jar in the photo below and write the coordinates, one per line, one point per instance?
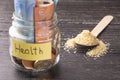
(34, 47)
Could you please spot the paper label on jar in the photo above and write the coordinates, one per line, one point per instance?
(30, 51)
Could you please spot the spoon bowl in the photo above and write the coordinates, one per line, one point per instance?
(94, 33)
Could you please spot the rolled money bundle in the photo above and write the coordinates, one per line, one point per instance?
(27, 36)
(30, 4)
(43, 33)
(24, 9)
(55, 2)
(22, 22)
(19, 6)
(44, 10)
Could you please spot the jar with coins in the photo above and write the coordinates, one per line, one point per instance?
(34, 35)
(34, 47)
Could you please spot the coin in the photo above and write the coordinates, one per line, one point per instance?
(28, 64)
(53, 58)
(42, 64)
(17, 61)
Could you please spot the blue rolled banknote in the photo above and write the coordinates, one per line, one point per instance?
(24, 32)
(24, 9)
(55, 1)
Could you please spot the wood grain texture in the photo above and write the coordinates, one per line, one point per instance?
(74, 16)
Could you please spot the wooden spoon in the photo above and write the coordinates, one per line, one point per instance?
(98, 29)
(102, 25)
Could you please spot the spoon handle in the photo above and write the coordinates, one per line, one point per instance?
(102, 25)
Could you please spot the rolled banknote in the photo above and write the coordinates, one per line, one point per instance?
(24, 9)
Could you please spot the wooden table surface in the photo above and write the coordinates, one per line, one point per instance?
(74, 16)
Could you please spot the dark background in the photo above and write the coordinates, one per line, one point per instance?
(73, 17)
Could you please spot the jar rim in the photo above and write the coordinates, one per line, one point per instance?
(20, 23)
(54, 19)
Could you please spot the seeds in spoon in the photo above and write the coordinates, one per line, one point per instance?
(85, 38)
